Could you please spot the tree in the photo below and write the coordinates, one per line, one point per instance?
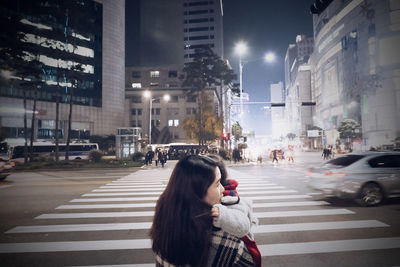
(205, 126)
(208, 72)
(349, 129)
(21, 42)
(17, 57)
(237, 130)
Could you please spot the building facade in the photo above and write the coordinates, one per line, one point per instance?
(166, 116)
(202, 27)
(298, 87)
(355, 68)
(278, 124)
(54, 45)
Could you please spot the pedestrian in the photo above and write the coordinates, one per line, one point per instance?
(235, 215)
(147, 158)
(274, 154)
(156, 157)
(182, 232)
(162, 157)
(291, 155)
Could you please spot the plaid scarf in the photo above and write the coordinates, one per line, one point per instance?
(226, 251)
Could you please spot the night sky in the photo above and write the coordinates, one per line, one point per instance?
(265, 25)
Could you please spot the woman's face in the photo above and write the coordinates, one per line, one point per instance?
(214, 192)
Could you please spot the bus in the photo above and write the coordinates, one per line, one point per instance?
(48, 149)
(177, 150)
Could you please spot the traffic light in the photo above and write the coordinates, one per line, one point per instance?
(225, 136)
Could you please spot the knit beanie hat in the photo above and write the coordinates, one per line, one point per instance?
(230, 188)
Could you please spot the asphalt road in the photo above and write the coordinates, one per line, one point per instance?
(101, 217)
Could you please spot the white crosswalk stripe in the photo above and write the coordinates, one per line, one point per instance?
(270, 201)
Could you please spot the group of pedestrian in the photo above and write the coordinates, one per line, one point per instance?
(280, 154)
(327, 153)
(200, 220)
(158, 156)
(236, 155)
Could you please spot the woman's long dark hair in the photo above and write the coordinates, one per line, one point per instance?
(182, 224)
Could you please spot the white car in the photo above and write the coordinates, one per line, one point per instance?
(367, 177)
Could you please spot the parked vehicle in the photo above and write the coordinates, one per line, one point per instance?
(47, 149)
(368, 177)
(5, 164)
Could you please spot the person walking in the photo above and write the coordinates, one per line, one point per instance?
(291, 154)
(162, 157)
(274, 154)
(156, 157)
(182, 232)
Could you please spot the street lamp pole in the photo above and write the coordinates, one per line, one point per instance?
(241, 84)
(151, 107)
(147, 94)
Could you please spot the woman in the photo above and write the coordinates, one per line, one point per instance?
(182, 230)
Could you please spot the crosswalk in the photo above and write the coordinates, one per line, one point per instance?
(127, 204)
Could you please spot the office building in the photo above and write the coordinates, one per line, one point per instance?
(81, 52)
(355, 68)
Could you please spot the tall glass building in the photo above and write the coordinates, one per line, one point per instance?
(53, 50)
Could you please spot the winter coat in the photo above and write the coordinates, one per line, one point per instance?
(236, 218)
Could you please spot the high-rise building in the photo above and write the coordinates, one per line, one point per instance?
(168, 32)
(61, 49)
(163, 37)
(278, 113)
(298, 87)
(202, 26)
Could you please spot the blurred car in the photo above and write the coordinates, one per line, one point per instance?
(368, 177)
(5, 168)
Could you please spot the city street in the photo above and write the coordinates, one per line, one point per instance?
(102, 217)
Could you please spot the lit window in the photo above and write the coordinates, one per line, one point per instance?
(170, 123)
(154, 74)
(176, 123)
(136, 85)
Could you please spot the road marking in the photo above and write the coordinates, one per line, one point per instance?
(95, 215)
(242, 184)
(252, 193)
(278, 197)
(293, 227)
(136, 183)
(79, 227)
(96, 177)
(122, 194)
(125, 190)
(295, 213)
(116, 199)
(75, 246)
(107, 206)
(260, 187)
(329, 246)
(314, 194)
(133, 186)
(289, 204)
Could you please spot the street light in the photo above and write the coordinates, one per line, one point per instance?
(269, 57)
(241, 49)
(147, 94)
